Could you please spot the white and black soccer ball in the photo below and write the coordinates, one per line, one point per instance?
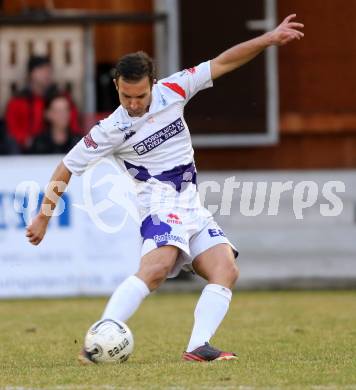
(109, 341)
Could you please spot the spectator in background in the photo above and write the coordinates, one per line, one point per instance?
(58, 136)
(7, 144)
(24, 113)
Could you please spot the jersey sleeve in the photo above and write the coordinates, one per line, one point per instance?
(98, 143)
(190, 81)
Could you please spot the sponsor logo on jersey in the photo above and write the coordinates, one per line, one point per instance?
(159, 137)
(89, 142)
(192, 70)
(129, 134)
(166, 237)
(173, 219)
(216, 233)
(123, 126)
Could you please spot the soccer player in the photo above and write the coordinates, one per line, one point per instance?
(147, 135)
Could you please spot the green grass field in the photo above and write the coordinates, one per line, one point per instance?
(285, 340)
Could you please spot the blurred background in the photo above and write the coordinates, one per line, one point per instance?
(288, 116)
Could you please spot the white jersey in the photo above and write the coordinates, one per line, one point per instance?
(156, 148)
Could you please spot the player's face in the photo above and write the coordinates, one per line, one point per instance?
(135, 97)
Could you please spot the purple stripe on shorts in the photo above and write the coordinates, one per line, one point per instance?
(160, 232)
(152, 227)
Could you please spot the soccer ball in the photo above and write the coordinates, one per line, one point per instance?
(109, 341)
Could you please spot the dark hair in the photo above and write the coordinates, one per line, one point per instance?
(36, 62)
(49, 99)
(54, 95)
(135, 66)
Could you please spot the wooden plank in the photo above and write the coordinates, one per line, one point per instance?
(318, 123)
(303, 151)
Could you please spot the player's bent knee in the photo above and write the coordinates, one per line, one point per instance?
(235, 274)
(228, 274)
(231, 273)
(154, 275)
(159, 275)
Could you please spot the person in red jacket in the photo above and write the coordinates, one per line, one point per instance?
(58, 136)
(24, 116)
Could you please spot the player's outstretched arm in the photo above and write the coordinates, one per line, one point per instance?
(238, 55)
(58, 184)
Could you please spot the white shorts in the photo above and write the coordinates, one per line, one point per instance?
(193, 232)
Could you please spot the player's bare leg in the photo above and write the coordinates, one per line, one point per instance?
(216, 265)
(154, 268)
(153, 271)
(156, 265)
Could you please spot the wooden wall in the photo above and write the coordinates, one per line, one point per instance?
(317, 84)
(317, 96)
(111, 41)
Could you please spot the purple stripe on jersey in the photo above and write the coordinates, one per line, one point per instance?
(176, 176)
(139, 172)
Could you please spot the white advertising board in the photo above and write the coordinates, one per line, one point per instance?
(89, 248)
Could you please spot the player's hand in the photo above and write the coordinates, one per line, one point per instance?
(36, 231)
(286, 32)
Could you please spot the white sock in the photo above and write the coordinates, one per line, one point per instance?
(209, 313)
(126, 299)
